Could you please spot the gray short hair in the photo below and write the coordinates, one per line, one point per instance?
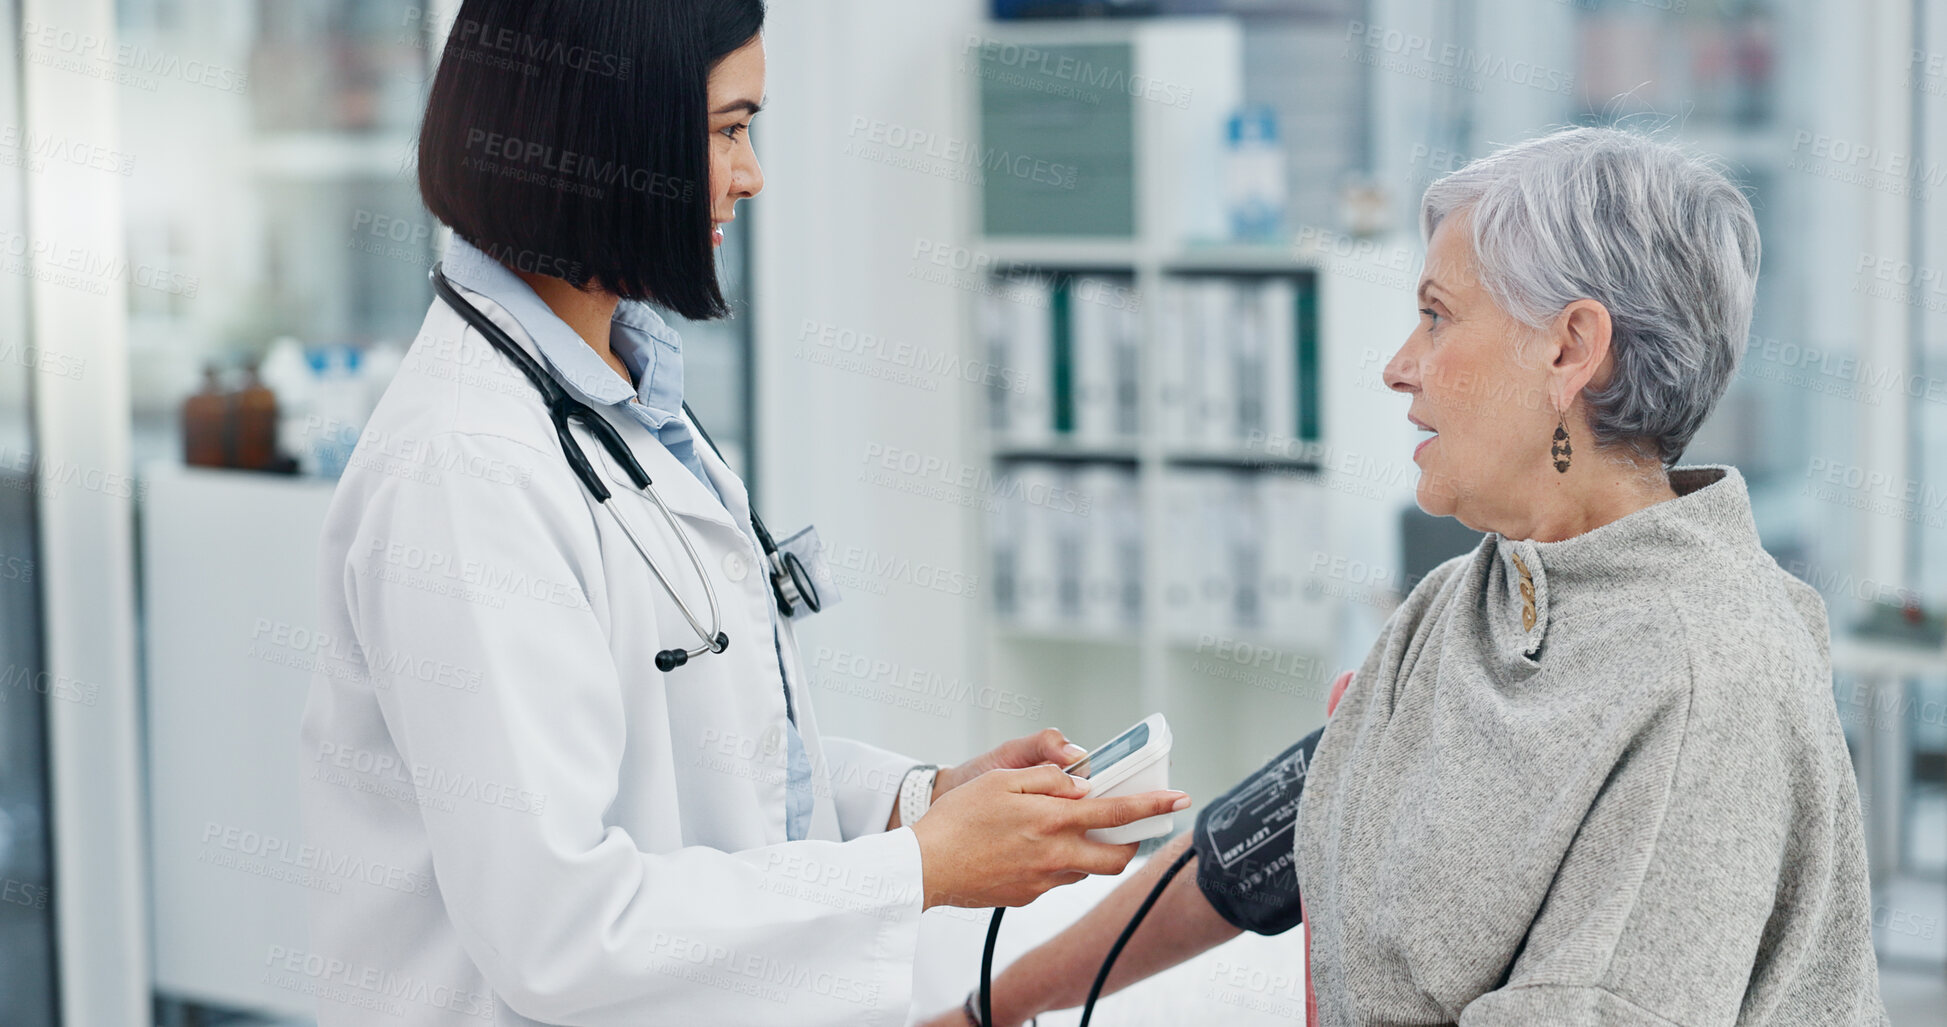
(1656, 235)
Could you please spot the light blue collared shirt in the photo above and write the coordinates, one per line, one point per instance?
(654, 355)
(651, 349)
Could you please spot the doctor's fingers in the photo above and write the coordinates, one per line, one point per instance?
(1089, 857)
(1044, 780)
(1047, 745)
(1127, 809)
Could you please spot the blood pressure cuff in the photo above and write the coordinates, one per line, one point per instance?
(1244, 841)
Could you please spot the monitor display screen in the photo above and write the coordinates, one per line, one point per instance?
(1107, 756)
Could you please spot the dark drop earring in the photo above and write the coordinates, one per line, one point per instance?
(1561, 451)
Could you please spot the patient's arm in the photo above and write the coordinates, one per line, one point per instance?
(1058, 974)
(1242, 878)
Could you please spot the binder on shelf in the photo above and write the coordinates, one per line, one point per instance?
(1038, 566)
(1249, 361)
(1277, 301)
(1062, 344)
(1305, 336)
(1211, 549)
(1182, 526)
(1244, 546)
(1068, 547)
(1176, 389)
(1111, 548)
(1024, 318)
(1227, 548)
(994, 328)
(1068, 525)
(1128, 325)
(1297, 602)
(1105, 357)
(1241, 529)
(1234, 360)
(1214, 343)
(1006, 536)
(1131, 557)
(1235, 354)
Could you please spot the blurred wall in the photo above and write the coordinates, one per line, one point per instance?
(841, 241)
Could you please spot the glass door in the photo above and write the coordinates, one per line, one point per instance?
(26, 881)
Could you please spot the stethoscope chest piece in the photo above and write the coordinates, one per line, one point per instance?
(794, 587)
(671, 659)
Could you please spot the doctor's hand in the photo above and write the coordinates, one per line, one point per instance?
(1047, 745)
(1007, 836)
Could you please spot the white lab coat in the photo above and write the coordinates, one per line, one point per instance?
(514, 816)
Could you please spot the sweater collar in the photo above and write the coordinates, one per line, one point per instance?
(1529, 584)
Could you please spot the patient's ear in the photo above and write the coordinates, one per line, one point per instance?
(1582, 356)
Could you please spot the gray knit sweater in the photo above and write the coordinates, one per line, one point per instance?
(1635, 810)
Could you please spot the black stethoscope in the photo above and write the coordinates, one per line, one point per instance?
(791, 583)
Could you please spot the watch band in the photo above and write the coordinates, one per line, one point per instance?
(916, 793)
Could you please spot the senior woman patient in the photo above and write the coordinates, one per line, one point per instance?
(1591, 773)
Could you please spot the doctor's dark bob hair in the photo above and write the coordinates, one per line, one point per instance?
(570, 138)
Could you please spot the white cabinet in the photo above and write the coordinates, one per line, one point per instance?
(229, 590)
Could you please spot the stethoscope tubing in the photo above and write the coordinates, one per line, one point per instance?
(682, 537)
(564, 409)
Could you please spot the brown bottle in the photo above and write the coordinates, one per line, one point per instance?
(204, 424)
(256, 424)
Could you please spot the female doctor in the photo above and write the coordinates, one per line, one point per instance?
(541, 811)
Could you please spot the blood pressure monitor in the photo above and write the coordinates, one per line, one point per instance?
(1137, 760)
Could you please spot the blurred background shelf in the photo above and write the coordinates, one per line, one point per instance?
(321, 156)
(1112, 571)
(1068, 453)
